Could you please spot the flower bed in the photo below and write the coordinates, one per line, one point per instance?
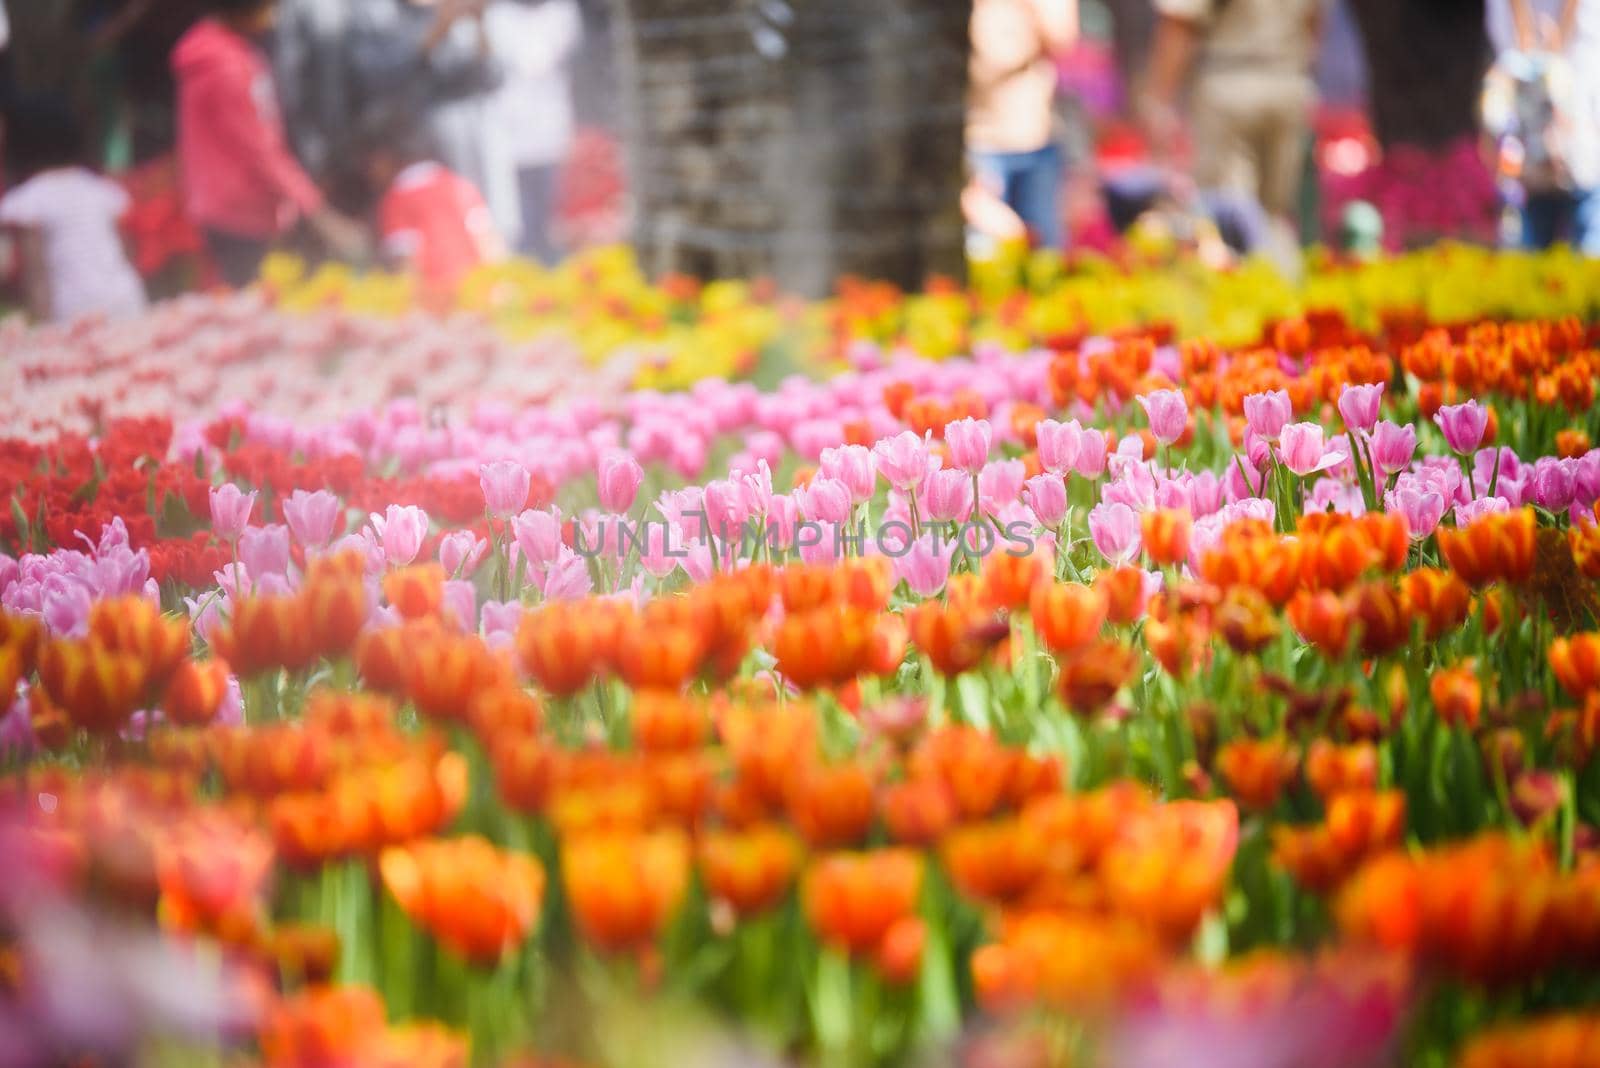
(1096, 703)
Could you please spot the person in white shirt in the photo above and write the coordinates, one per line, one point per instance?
(533, 42)
(1558, 40)
(65, 219)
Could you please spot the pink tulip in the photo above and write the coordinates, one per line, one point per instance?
(657, 554)
(568, 578)
(783, 516)
(902, 460)
(1000, 483)
(311, 517)
(1267, 413)
(1059, 444)
(500, 620)
(1393, 447)
(1168, 413)
(825, 500)
(1463, 425)
(538, 536)
(1469, 513)
(853, 465)
(1115, 531)
(1046, 494)
(1554, 484)
(1421, 508)
(925, 565)
(947, 495)
(1359, 405)
(460, 551)
(230, 510)
(969, 441)
(265, 550)
(1304, 450)
(401, 530)
(619, 475)
(505, 487)
(460, 604)
(1091, 461)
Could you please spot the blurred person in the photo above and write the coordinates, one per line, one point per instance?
(1547, 80)
(64, 217)
(433, 222)
(241, 184)
(1010, 119)
(534, 41)
(1251, 101)
(435, 57)
(314, 79)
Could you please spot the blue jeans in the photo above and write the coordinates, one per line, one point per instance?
(1572, 217)
(1030, 184)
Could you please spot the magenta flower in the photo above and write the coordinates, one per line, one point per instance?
(401, 530)
(825, 500)
(1058, 445)
(1469, 513)
(230, 510)
(902, 460)
(1393, 447)
(947, 494)
(1046, 494)
(568, 578)
(265, 550)
(1168, 413)
(1268, 413)
(460, 551)
(1115, 531)
(853, 465)
(620, 475)
(1303, 449)
(783, 516)
(1358, 406)
(538, 536)
(1463, 425)
(1091, 462)
(1420, 507)
(968, 441)
(925, 565)
(505, 487)
(311, 517)
(1554, 484)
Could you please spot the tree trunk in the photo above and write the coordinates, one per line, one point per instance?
(798, 141)
(1425, 61)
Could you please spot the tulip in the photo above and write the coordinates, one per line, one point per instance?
(968, 441)
(1168, 413)
(230, 511)
(902, 460)
(1359, 405)
(1059, 445)
(1115, 530)
(1303, 449)
(538, 536)
(401, 530)
(1046, 494)
(505, 487)
(1091, 461)
(1392, 447)
(925, 565)
(1421, 508)
(1267, 413)
(312, 517)
(825, 500)
(947, 495)
(854, 466)
(619, 477)
(265, 550)
(1463, 426)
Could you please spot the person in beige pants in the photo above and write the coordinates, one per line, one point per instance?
(1252, 94)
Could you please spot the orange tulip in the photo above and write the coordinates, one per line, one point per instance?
(1124, 590)
(1166, 535)
(1457, 697)
(1009, 580)
(624, 886)
(662, 648)
(1090, 680)
(446, 673)
(806, 587)
(1257, 771)
(853, 900)
(1498, 547)
(1576, 663)
(1067, 616)
(823, 647)
(98, 689)
(335, 596)
(1334, 769)
(751, 870)
(1324, 619)
(1567, 1040)
(995, 862)
(265, 634)
(195, 692)
(954, 638)
(478, 900)
(1380, 615)
(917, 812)
(1246, 621)
(564, 645)
(417, 591)
(135, 626)
(1169, 865)
(831, 805)
(1439, 598)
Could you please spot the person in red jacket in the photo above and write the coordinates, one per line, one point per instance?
(241, 184)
